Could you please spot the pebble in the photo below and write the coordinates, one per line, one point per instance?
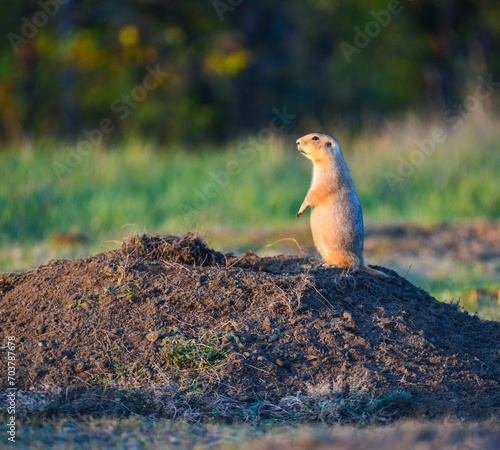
(153, 336)
(85, 306)
(273, 338)
(280, 363)
(347, 315)
(109, 271)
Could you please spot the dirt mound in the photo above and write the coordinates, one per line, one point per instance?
(169, 313)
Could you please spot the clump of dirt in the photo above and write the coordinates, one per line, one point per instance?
(170, 313)
(188, 249)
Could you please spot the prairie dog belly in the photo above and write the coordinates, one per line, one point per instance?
(337, 232)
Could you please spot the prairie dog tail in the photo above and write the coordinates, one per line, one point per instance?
(371, 271)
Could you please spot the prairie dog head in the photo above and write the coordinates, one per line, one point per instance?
(318, 147)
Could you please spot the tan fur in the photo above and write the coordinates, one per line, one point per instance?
(336, 217)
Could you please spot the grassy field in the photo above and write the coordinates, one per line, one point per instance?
(251, 184)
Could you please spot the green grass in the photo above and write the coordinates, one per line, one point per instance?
(137, 186)
(475, 294)
(457, 180)
(204, 352)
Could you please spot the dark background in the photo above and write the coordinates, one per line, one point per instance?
(230, 62)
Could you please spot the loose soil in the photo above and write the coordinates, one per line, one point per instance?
(284, 327)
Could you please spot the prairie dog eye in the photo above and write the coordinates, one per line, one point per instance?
(315, 138)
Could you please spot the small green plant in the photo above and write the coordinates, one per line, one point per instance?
(77, 304)
(120, 370)
(128, 293)
(204, 351)
(101, 380)
(137, 241)
(388, 400)
(107, 291)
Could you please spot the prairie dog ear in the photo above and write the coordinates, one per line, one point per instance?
(332, 142)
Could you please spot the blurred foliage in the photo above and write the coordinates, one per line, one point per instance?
(137, 187)
(67, 64)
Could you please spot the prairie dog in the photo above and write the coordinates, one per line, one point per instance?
(336, 217)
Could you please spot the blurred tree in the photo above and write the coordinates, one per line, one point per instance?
(67, 64)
